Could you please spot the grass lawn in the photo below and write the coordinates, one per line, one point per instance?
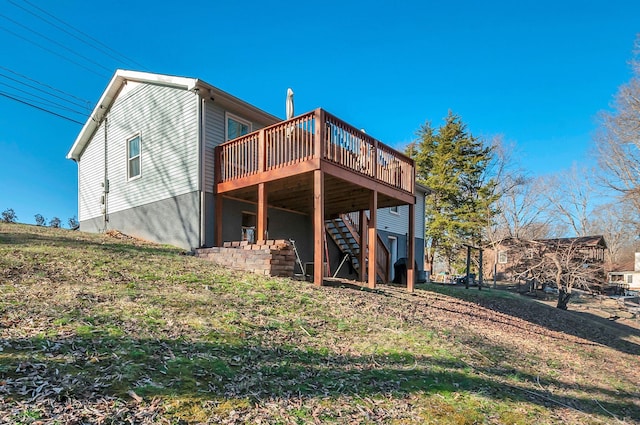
(97, 329)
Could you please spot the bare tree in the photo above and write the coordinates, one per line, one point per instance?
(614, 222)
(565, 262)
(524, 211)
(570, 195)
(521, 210)
(618, 140)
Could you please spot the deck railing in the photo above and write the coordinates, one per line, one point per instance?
(297, 140)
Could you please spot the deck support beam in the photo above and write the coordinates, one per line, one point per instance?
(372, 237)
(411, 254)
(362, 256)
(262, 212)
(318, 227)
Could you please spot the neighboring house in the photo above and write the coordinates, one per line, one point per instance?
(178, 161)
(626, 276)
(505, 256)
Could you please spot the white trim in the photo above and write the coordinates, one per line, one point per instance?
(139, 156)
(394, 212)
(227, 116)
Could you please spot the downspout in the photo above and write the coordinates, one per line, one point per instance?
(201, 153)
(105, 183)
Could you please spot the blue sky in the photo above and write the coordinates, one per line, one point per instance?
(535, 72)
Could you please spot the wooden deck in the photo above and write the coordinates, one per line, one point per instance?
(319, 165)
(316, 140)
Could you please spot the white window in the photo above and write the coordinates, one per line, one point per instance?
(502, 257)
(236, 127)
(133, 157)
(394, 210)
(629, 278)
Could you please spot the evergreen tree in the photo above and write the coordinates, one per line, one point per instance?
(453, 164)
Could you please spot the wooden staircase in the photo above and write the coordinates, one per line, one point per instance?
(344, 232)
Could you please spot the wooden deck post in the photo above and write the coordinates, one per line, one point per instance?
(373, 237)
(318, 147)
(362, 258)
(217, 214)
(262, 151)
(218, 220)
(318, 227)
(411, 271)
(262, 212)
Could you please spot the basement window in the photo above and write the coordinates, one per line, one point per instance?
(133, 157)
(394, 210)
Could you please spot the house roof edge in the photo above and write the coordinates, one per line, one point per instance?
(118, 80)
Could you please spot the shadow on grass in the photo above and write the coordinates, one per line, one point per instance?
(580, 324)
(96, 366)
(82, 241)
(352, 285)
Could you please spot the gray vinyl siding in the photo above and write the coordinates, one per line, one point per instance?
(398, 223)
(213, 136)
(393, 223)
(166, 119)
(91, 177)
(419, 223)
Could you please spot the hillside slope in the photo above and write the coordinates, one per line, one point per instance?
(97, 329)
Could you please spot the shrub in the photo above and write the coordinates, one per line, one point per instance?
(55, 222)
(9, 216)
(73, 223)
(40, 220)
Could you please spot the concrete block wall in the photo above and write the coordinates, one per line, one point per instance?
(266, 257)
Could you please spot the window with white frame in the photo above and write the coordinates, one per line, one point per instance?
(502, 257)
(394, 210)
(133, 157)
(236, 127)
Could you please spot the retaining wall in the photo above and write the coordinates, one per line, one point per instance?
(269, 257)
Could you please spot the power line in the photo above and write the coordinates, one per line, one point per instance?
(48, 102)
(84, 101)
(39, 108)
(102, 50)
(56, 43)
(83, 105)
(54, 53)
